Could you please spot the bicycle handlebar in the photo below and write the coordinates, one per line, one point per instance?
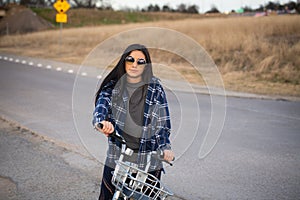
(159, 154)
(114, 134)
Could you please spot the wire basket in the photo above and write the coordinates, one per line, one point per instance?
(138, 184)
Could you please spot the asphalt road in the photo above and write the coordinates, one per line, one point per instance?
(255, 157)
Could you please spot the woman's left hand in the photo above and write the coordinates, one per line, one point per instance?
(168, 155)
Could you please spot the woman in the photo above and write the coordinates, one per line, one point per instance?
(132, 101)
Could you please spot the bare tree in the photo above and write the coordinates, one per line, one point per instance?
(78, 3)
(36, 3)
(166, 8)
(181, 8)
(213, 9)
(153, 8)
(193, 9)
(90, 3)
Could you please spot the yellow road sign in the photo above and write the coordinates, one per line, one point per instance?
(61, 6)
(61, 17)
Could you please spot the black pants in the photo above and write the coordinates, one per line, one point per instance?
(107, 189)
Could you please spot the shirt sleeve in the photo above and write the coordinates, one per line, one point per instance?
(103, 105)
(163, 122)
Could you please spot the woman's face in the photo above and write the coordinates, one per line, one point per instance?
(134, 65)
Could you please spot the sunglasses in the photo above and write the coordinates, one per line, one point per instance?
(131, 60)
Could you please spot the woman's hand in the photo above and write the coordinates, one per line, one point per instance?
(107, 128)
(168, 155)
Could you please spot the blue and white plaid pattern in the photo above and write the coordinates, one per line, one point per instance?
(156, 122)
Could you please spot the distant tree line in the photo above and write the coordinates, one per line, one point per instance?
(48, 3)
(269, 6)
(276, 7)
(182, 8)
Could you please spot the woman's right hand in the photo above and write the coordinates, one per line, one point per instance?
(107, 128)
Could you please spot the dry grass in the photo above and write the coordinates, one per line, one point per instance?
(259, 55)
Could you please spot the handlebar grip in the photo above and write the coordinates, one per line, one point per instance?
(160, 156)
(99, 125)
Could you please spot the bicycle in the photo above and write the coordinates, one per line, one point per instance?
(132, 183)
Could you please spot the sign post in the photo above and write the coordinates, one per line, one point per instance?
(61, 6)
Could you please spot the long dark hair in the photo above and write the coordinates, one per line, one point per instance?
(119, 70)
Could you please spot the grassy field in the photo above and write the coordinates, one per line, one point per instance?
(92, 17)
(258, 55)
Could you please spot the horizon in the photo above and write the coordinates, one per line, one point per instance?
(204, 5)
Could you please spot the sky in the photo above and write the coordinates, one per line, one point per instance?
(204, 5)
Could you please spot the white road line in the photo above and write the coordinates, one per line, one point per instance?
(70, 71)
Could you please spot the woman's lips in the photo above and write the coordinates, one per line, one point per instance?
(134, 71)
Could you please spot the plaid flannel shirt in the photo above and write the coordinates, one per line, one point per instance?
(156, 121)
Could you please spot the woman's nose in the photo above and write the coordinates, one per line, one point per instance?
(134, 64)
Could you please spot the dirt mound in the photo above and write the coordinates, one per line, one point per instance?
(20, 20)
